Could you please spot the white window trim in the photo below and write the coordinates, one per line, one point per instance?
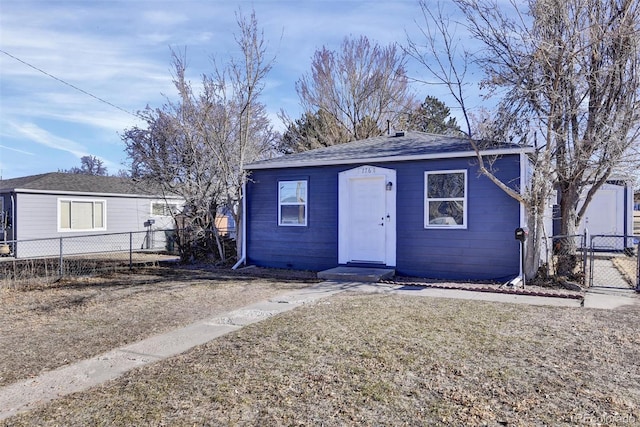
(75, 230)
(306, 204)
(463, 199)
(2, 214)
(178, 206)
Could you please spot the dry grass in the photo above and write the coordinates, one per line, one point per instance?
(44, 327)
(385, 360)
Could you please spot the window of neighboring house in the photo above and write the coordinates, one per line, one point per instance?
(164, 208)
(4, 216)
(75, 215)
(292, 203)
(445, 199)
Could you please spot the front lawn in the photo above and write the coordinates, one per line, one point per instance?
(359, 359)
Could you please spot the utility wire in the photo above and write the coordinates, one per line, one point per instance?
(69, 84)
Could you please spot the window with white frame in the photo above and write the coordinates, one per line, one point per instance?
(292, 203)
(445, 199)
(81, 215)
(164, 208)
(4, 216)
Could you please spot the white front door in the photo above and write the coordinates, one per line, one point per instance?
(366, 216)
(367, 219)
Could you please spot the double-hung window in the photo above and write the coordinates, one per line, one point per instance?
(81, 215)
(445, 199)
(292, 203)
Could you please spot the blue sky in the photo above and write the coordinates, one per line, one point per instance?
(119, 51)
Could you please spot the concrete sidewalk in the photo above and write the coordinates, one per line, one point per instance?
(599, 300)
(27, 394)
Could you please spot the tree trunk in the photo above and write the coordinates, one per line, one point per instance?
(533, 246)
(565, 248)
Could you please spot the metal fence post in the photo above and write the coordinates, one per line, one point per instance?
(130, 251)
(638, 267)
(584, 258)
(61, 260)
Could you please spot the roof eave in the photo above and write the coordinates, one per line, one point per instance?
(284, 164)
(94, 194)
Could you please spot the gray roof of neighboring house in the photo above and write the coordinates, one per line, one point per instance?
(400, 146)
(75, 183)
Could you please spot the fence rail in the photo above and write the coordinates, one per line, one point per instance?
(567, 254)
(613, 262)
(49, 259)
(605, 261)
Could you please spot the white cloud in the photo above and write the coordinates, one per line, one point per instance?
(119, 51)
(36, 134)
(28, 153)
(155, 18)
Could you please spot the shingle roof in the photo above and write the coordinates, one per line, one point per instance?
(76, 183)
(404, 146)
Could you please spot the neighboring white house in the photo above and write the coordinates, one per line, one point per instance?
(609, 216)
(55, 205)
(610, 211)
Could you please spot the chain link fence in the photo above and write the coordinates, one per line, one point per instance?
(604, 261)
(47, 260)
(566, 256)
(613, 262)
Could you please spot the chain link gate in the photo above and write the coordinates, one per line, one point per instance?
(613, 262)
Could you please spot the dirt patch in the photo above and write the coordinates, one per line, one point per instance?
(359, 359)
(48, 326)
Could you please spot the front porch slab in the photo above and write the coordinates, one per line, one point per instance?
(357, 274)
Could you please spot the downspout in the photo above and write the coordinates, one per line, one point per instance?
(243, 257)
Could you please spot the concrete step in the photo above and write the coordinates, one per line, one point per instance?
(357, 274)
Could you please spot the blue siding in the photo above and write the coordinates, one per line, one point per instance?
(485, 250)
(314, 247)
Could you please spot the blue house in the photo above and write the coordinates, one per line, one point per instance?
(411, 201)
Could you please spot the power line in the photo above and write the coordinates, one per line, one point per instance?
(69, 84)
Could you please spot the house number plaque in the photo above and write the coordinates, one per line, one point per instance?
(367, 170)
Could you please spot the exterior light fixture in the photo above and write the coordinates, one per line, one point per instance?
(389, 186)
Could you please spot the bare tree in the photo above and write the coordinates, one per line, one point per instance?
(197, 147)
(171, 154)
(353, 92)
(253, 133)
(568, 72)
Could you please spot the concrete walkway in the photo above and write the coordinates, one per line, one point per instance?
(606, 275)
(27, 394)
